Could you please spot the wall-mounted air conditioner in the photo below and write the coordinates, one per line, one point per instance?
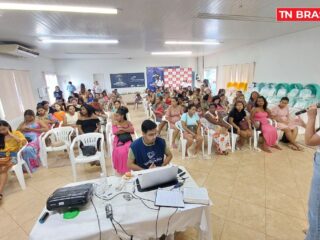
(17, 50)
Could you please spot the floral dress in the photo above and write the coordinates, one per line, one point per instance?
(221, 137)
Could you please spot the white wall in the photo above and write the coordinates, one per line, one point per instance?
(290, 58)
(81, 71)
(36, 67)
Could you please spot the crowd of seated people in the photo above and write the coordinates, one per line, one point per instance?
(196, 108)
(84, 111)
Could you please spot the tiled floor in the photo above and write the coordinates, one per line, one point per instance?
(256, 196)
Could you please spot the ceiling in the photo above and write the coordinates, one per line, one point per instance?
(142, 26)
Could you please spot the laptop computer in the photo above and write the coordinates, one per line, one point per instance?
(159, 177)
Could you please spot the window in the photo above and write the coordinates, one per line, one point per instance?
(51, 82)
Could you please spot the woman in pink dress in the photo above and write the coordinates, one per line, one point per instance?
(173, 115)
(122, 129)
(286, 124)
(260, 115)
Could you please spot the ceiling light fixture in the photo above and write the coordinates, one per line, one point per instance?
(79, 41)
(56, 8)
(211, 42)
(172, 53)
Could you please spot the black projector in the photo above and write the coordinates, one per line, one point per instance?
(70, 197)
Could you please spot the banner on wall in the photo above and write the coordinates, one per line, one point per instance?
(127, 80)
(153, 73)
(177, 77)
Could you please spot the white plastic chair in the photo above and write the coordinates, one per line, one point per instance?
(17, 168)
(210, 132)
(61, 134)
(183, 141)
(170, 131)
(233, 135)
(88, 139)
(107, 133)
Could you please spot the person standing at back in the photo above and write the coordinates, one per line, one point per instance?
(71, 88)
(148, 151)
(58, 93)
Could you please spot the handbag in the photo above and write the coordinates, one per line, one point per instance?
(88, 150)
(123, 138)
(5, 164)
(243, 124)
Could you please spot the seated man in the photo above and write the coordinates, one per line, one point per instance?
(148, 151)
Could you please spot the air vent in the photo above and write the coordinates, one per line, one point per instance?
(17, 50)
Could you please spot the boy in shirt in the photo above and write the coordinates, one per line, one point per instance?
(148, 151)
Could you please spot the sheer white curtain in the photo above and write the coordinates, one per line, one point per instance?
(237, 73)
(15, 93)
(8, 95)
(24, 89)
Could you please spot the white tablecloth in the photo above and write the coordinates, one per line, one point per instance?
(135, 218)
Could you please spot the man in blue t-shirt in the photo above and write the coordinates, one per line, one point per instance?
(148, 151)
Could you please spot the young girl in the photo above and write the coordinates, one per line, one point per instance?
(59, 113)
(190, 122)
(137, 100)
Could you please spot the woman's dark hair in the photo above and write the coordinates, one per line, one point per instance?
(243, 107)
(265, 105)
(44, 103)
(284, 99)
(191, 106)
(206, 97)
(217, 97)
(80, 101)
(89, 109)
(40, 106)
(29, 112)
(123, 112)
(175, 98)
(69, 106)
(70, 98)
(190, 92)
(148, 125)
(251, 98)
(221, 91)
(2, 137)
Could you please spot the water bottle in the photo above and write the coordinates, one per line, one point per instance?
(102, 185)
